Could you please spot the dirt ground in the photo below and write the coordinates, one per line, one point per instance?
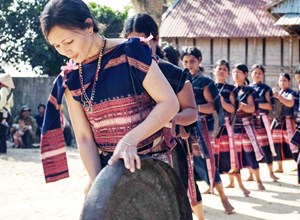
(25, 196)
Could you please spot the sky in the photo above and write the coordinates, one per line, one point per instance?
(114, 4)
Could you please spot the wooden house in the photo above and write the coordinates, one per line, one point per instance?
(240, 31)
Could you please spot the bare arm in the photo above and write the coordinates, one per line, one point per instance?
(167, 106)
(209, 107)
(189, 112)
(267, 105)
(229, 107)
(288, 101)
(84, 137)
(249, 107)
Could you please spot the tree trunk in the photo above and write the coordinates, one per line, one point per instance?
(152, 7)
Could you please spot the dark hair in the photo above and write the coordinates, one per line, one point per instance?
(41, 105)
(192, 51)
(69, 14)
(297, 70)
(159, 52)
(258, 66)
(222, 62)
(171, 54)
(286, 75)
(21, 119)
(141, 23)
(242, 67)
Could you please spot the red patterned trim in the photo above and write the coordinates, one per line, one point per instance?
(90, 59)
(112, 119)
(242, 141)
(115, 62)
(77, 92)
(138, 64)
(109, 50)
(53, 154)
(222, 144)
(54, 102)
(262, 137)
(95, 57)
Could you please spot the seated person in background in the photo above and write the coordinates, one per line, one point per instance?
(29, 121)
(65, 124)
(39, 120)
(23, 135)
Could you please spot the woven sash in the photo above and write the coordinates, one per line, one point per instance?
(210, 162)
(249, 130)
(232, 150)
(290, 129)
(267, 125)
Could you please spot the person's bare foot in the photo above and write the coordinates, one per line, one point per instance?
(245, 192)
(229, 209)
(231, 185)
(260, 187)
(278, 171)
(275, 178)
(208, 191)
(250, 178)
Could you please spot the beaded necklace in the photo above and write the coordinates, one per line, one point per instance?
(88, 102)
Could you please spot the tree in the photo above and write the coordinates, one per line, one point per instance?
(152, 7)
(21, 39)
(155, 8)
(112, 21)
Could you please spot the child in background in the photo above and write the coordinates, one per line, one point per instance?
(23, 131)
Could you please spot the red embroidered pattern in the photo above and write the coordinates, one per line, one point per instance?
(262, 137)
(54, 164)
(138, 64)
(116, 61)
(242, 141)
(53, 100)
(77, 92)
(111, 120)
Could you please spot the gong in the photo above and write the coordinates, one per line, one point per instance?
(152, 193)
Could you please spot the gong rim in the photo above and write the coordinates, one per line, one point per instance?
(154, 192)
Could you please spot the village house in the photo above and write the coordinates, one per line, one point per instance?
(240, 31)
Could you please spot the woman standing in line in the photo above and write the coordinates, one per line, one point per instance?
(283, 127)
(225, 150)
(246, 143)
(263, 131)
(207, 100)
(143, 25)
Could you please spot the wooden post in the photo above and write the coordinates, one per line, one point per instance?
(291, 54)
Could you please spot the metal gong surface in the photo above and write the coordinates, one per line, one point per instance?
(152, 193)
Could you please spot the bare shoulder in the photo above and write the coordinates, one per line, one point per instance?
(113, 42)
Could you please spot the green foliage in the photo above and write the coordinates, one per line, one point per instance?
(168, 3)
(21, 39)
(112, 21)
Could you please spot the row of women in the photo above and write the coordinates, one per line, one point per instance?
(243, 135)
(122, 103)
